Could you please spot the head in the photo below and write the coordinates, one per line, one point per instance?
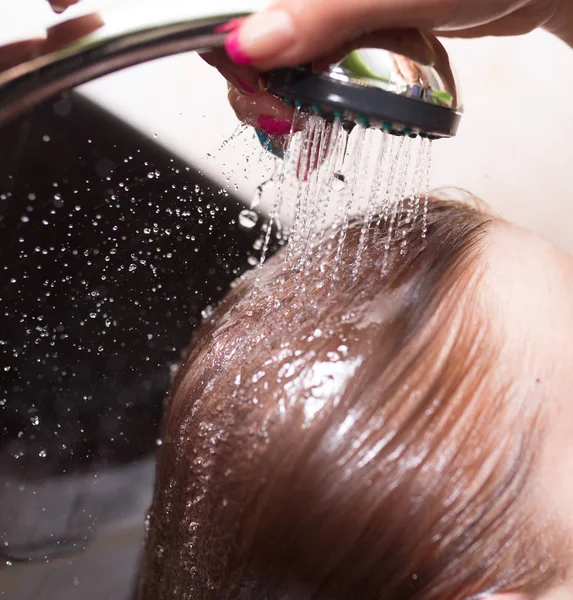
(398, 432)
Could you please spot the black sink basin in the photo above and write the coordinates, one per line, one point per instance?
(110, 249)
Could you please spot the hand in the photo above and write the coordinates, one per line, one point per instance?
(293, 32)
(58, 36)
(61, 5)
(271, 117)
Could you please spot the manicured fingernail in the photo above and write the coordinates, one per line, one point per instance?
(263, 138)
(235, 51)
(241, 84)
(261, 35)
(61, 7)
(246, 87)
(267, 144)
(229, 26)
(274, 126)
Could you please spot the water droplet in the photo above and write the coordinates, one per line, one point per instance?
(207, 312)
(338, 182)
(248, 218)
(256, 200)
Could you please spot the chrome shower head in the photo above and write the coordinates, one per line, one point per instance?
(378, 87)
(406, 88)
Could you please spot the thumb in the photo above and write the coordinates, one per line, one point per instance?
(293, 32)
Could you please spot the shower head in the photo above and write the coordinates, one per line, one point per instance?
(406, 88)
(381, 88)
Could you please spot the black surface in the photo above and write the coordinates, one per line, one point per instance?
(104, 272)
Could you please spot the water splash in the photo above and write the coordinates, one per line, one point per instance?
(317, 191)
(248, 218)
(335, 150)
(357, 152)
(426, 187)
(307, 158)
(280, 195)
(400, 198)
(417, 183)
(372, 199)
(332, 174)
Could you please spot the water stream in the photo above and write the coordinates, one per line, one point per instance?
(332, 174)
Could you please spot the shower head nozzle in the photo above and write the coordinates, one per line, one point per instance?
(411, 93)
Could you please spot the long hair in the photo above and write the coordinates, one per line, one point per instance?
(341, 434)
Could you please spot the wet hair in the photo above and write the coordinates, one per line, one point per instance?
(340, 433)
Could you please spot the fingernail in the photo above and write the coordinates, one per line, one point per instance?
(235, 51)
(263, 138)
(265, 33)
(229, 26)
(60, 8)
(267, 144)
(241, 84)
(246, 87)
(274, 126)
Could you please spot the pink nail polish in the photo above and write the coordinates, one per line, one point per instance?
(274, 126)
(247, 87)
(235, 51)
(229, 26)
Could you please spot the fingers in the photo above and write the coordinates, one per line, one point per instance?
(61, 5)
(19, 52)
(244, 79)
(65, 33)
(271, 117)
(406, 42)
(293, 32)
(259, 108)
(58, 36)
(521, 22)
